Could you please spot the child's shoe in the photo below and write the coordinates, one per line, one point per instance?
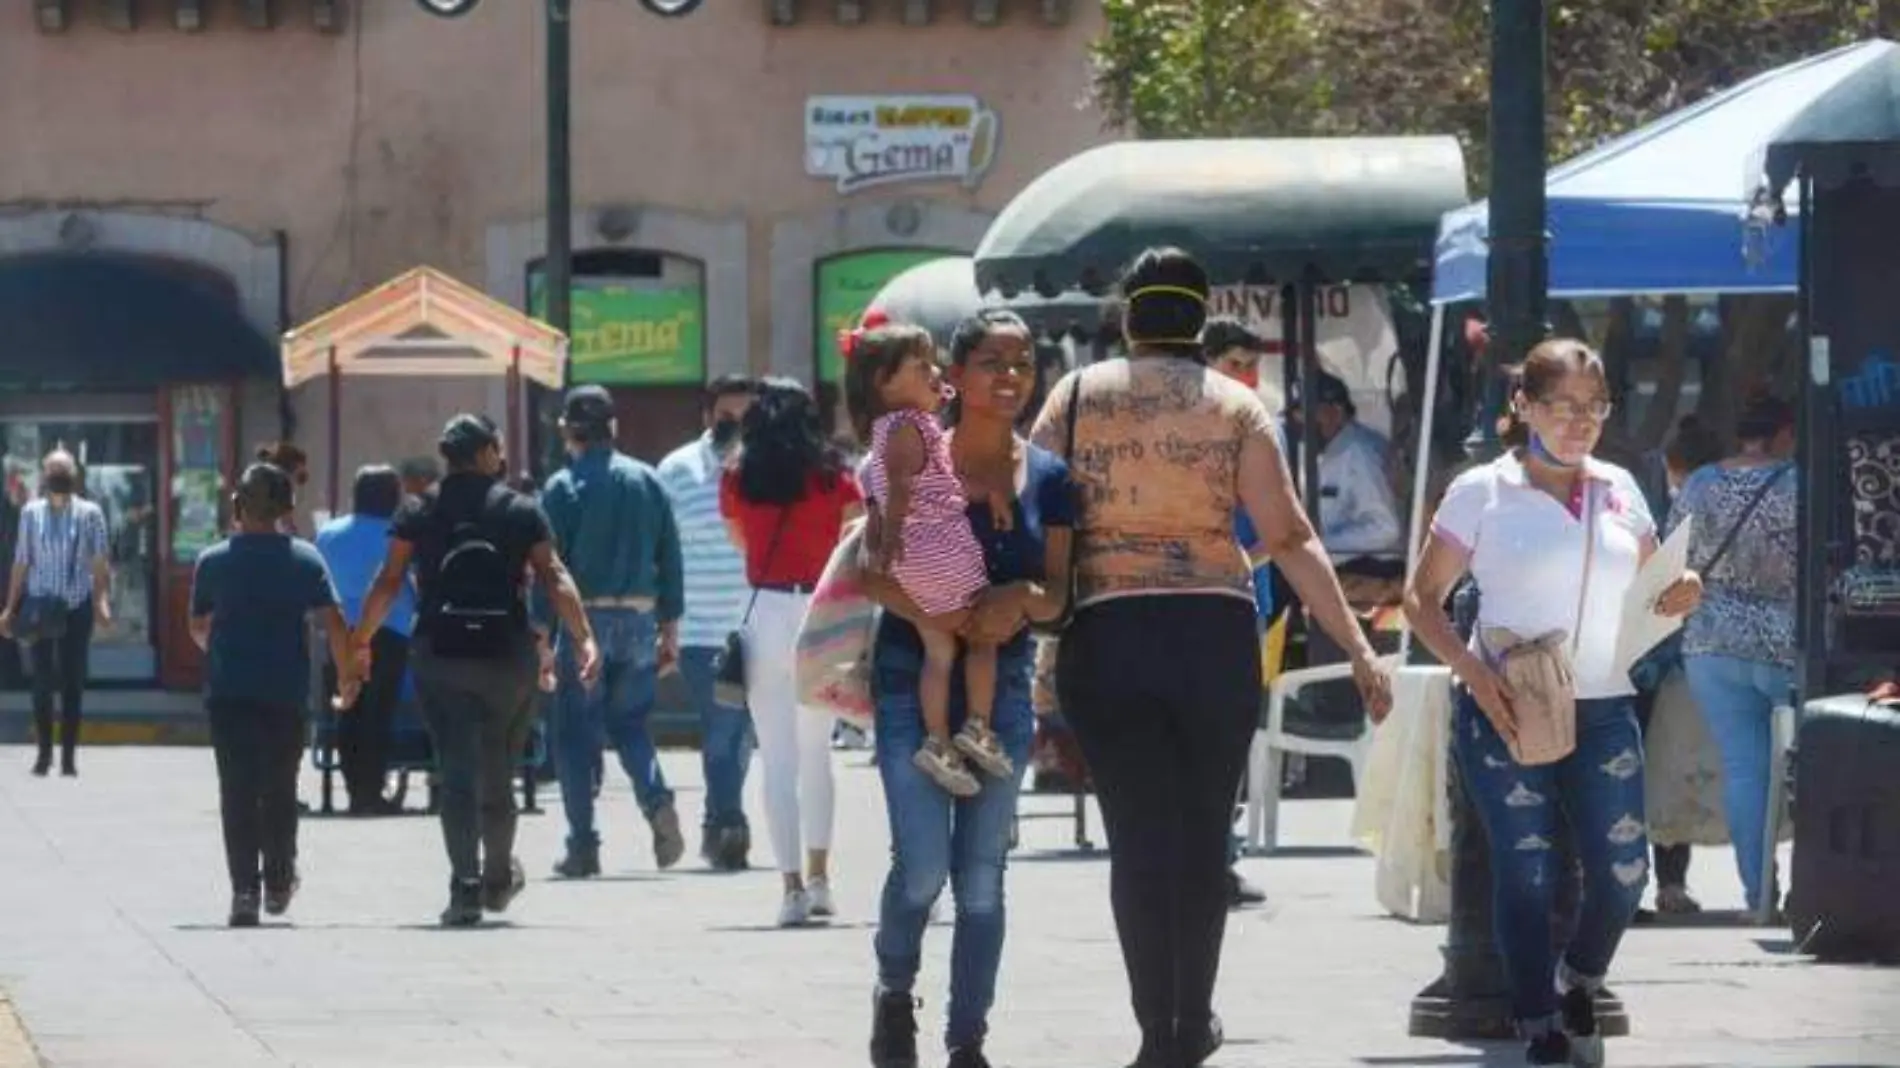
(977, 742)
(940, 761)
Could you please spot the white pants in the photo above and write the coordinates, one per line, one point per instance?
(794, 741)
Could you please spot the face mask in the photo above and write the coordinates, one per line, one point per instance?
(59, 483)
(724, 433)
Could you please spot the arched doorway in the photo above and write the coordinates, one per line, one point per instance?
(134, 363)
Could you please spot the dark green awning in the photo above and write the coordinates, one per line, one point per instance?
(1850, 126)
(1072, 313)
(1256, 210)
(101, 321)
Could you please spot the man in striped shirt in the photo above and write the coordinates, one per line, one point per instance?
(716, 595)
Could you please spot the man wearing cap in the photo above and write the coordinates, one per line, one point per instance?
(1358, 511)
(614, 526)
(716, 592)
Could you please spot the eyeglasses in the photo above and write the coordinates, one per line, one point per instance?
(1572, 411)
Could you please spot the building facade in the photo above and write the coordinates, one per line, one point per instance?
(744, 179)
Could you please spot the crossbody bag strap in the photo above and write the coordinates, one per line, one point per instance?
(1754, 502)
(1589, 558)
(771, 552)
(1075, 416)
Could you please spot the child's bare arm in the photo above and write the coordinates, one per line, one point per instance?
(903, 460)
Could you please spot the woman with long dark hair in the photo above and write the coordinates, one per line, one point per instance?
(1159, 671)
(937, 839)
(1738, 648)
(1553, 538)
(786, 501)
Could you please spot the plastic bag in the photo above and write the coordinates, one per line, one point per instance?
(1401, 815)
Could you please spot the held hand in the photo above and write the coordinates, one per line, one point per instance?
(669, 661)
(1002, 512)
(1682, 597)
(360, 658)
(1375, 686)
(1492, 694)
(588, 657)
(348, 689)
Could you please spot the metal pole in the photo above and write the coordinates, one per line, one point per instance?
(559, 265)
(1469, 1000)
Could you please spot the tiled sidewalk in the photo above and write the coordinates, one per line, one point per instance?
(112, 947)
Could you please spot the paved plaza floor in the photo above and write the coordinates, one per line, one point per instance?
(114, 954)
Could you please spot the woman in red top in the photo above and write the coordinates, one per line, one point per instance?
(786, 501)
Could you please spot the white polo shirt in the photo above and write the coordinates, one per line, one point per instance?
(1527, 556)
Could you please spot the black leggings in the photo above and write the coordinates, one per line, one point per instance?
(59, 668)
(1163, 692)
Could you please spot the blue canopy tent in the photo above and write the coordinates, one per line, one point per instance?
(1661, 209)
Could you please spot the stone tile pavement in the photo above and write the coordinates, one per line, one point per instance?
(113, 952)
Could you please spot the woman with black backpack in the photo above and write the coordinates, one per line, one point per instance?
(476, 657)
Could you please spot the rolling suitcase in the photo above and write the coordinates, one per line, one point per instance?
(1844, 902)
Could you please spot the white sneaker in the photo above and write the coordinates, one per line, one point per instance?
(795, 910)
(818, 899)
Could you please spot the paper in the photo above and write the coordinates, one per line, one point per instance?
(1641, 628)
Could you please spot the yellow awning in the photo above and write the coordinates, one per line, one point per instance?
(424, 323)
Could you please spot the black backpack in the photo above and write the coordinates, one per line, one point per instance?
(477, 611)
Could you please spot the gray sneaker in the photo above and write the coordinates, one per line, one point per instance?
(669, 845)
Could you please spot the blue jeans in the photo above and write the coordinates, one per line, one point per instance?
(1599, 789)
(1738, 699)
(615, 707)
(936, 838)
(725, 740)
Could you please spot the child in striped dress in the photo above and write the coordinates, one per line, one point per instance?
(920, 536)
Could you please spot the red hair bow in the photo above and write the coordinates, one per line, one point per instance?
(849, 340)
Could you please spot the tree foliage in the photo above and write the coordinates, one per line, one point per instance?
(1282, 68)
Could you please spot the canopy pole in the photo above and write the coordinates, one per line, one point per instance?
(514, 404)
(1305, 311)
(336, 433)
(1422, 466)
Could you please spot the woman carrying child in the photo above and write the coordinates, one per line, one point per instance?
(1019, 503)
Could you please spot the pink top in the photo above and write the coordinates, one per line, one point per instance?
(942, 567)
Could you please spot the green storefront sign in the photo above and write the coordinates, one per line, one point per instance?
(631, 334)
(846, 285)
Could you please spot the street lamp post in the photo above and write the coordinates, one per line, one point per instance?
(558, 265)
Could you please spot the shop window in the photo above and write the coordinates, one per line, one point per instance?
(639, 329)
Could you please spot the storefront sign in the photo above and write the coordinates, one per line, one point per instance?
(628, 333)
(846, 285)
(866, 141)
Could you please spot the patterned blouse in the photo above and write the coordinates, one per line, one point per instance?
(1748, 598)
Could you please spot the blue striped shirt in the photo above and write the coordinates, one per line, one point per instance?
(58, 546)
(716, 589)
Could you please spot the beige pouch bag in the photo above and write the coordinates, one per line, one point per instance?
(1540, 674)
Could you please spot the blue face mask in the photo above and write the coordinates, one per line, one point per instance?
(1543, 454)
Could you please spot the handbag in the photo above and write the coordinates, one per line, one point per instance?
(42, 617)
(832, 665)
(1062, 619)
(1539, 670)
(729, 674)
(1654, 666)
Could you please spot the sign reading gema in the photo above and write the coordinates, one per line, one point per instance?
(865, 141)
(633, 334)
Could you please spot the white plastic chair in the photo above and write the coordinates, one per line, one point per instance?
(1266, 758)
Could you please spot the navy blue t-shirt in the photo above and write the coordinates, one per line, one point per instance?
(1016, 555)
(258, 590)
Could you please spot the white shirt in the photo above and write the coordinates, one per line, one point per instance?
(1527, 556)
(716, 589)
(1358, 512)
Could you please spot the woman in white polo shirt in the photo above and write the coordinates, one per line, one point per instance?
(1553, 539)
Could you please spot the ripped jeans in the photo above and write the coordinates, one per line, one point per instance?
(1599, 789)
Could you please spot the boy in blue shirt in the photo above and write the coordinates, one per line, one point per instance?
(250, 597)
